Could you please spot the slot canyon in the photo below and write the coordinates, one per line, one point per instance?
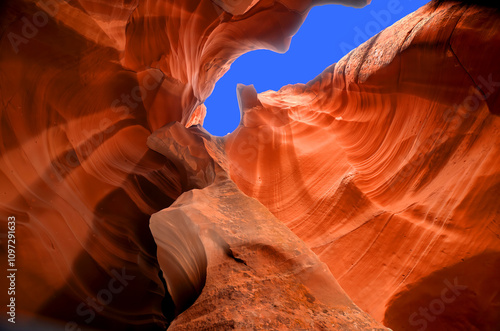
(365, 199)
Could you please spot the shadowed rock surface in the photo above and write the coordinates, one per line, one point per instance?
(375, 185)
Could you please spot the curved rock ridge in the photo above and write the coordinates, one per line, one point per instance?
(386, 165)
(83, 85)
(196, 42)
(259, 275)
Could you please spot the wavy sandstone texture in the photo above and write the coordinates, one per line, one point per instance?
(367, 196)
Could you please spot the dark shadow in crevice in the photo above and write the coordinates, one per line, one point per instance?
(483, 3)
(464, 296)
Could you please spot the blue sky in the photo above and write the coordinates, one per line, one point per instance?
(328, 33)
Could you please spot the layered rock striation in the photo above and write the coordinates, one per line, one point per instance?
(367, 196)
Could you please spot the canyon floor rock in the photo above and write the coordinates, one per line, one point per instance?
(367, 198)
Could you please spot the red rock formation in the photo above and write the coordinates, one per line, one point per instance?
(385, 166)
(259, 275)
(247, 268)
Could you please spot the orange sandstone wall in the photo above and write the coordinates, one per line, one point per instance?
(385, 166)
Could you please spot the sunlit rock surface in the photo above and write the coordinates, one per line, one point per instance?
(387, 166)
(254, 272)
(384, 168)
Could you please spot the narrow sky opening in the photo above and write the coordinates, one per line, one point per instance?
(328, 33)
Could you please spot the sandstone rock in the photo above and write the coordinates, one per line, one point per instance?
(259, 275)
(385, 166)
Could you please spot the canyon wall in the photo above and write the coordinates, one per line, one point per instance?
(367, 197)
